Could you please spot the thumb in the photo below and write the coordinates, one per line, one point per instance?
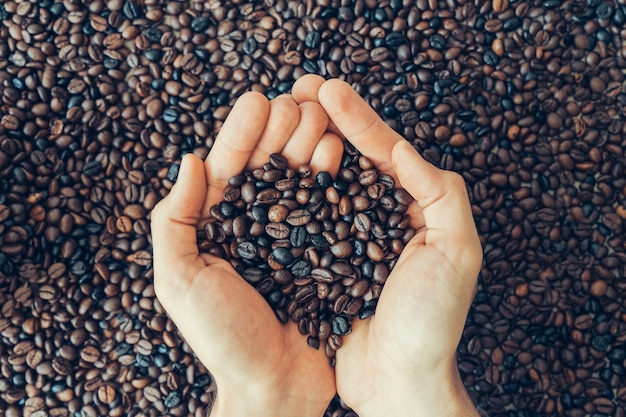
(173, 224)
(420, 178)
(445, 204)
(186, 197)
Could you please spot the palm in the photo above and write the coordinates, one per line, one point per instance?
(407, 331)
(220, 305)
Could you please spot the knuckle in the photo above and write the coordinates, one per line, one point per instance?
(455, 180)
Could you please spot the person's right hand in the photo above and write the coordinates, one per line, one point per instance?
(402, 360)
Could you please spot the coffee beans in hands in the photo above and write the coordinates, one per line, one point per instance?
(318, 249)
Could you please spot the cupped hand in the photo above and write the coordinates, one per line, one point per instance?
(260, 365)
(401, 361)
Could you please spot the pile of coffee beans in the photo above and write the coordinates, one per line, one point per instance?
(100, 99)
(318, 249)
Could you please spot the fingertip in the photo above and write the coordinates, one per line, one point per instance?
(335, 84)
(410, 166)
(332, 93)
(357, 121)
(327, 155)
(306, 88)
(191, 181)
(252, 107)
(189, 161)
(253, 96)
(186, 167)
(284, 96)
(424, 181)
(252, 101)
(289, 106)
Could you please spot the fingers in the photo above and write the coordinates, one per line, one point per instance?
(445, 205)
(359, 123)
(313, 122)
(283, 119)
(234, 144)
(327, 155)
(173, 225)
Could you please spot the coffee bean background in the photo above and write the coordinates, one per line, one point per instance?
(99, 100)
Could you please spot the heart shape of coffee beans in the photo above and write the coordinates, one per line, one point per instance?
(318, 249)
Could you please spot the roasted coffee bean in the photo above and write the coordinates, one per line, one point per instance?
(247, 250)
(278, 230)
(277, 213)
(342, 249)
(278, 161)
(297, 236)
(283, 256)
(341, 325)
(268, 196)
(299, 217)
(253, 275)
(322, 275)
(305, 293)
(301, 268)
(334, 342)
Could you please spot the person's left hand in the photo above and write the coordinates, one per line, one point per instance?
(260, 365)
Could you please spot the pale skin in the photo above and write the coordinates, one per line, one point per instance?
(400, 362)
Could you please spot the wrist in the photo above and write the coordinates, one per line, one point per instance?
(441, 393)
(239, 403)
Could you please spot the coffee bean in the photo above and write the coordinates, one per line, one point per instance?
(297, 236)
(499, 6)
(323, 275)
(301, 268)
(247, 250)
(283, 256)
(61, 366)
(342, 249)
(335, 342)
(299, 217)
(374, 252)
(106, 393)
(278, 230)
(341, 325)
(268, 196)
(305, 293)
(353, 307)
(277, 213)
(90, 354)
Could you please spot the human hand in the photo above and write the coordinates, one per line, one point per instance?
(260, 365)
(402, 361)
